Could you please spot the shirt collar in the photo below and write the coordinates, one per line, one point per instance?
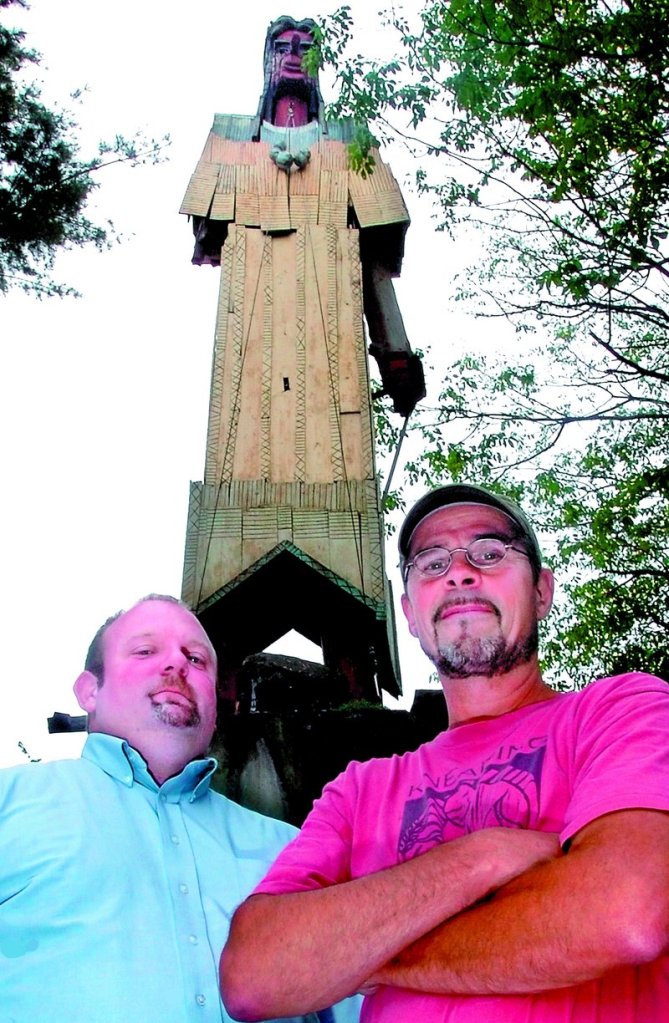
(121, 761)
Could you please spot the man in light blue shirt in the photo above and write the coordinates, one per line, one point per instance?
(119, 872)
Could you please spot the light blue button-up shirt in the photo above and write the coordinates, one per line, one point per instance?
(116, 893)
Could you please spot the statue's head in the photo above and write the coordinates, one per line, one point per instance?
(285, 46)
(286, 43)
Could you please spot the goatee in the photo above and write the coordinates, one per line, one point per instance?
(469, 656)
(178, 715)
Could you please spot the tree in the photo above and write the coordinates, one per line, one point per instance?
(44, 182)
(546, 124)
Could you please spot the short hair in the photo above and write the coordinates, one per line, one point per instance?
(95, 657)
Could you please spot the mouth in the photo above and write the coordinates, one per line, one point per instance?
(176, 696)
(465, 607)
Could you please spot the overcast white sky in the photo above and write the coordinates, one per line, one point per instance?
(103, 400)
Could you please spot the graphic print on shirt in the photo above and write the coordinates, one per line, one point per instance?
(504, 791)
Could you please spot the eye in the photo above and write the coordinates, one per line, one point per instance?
(487, 551)
(144, 651)
(197, 659)
(432, 562)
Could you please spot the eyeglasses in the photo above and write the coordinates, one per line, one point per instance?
(487, 552)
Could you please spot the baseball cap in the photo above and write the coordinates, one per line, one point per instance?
(467, 493)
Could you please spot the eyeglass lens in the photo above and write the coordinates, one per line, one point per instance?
(483, 553)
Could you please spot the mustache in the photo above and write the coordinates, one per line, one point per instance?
(177, 683)
(459, 601)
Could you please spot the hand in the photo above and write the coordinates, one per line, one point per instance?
(515, 850)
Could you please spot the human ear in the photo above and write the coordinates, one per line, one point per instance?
(409, 615)
(86, 691)
(545, 588)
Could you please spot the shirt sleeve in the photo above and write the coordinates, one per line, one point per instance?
(620, 749)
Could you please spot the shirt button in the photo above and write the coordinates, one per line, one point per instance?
(175, 839)
(183, 888)
(200, 999)
(193, 939)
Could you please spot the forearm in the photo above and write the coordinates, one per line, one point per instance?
(561, 923)
(515, 943)
(330, 940)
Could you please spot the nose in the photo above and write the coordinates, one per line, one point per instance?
(460, 572)
(295, 45)
(176, 663)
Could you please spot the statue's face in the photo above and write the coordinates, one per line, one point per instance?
(289, 49)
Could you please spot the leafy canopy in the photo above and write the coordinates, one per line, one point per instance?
(545, 125)
(44, 182)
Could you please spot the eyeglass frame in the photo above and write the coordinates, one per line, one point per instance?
(465, 550)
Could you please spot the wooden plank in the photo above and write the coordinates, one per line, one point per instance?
(306, 181)
(246, 396)
(348, 557)
(223, 206)
(318, 454)
(333, 204)
(246, 180)
(338, 467)
(334, 186)
(221, 437)
(300, 356)
(200, 190)
(217, 563)
(303, 210)
(274, 213)
(259, 522)
(228, 151)
(247, 209)
(349, 338)
(254, 549)
(311, 522)
(284, 521)
(335, 213)
(312, 534)
(381, 178)
(334, 155)
(223, 548)
(217, 430)
(223, 150)
(265, 297)
(351, 440)
(284, 383)
(381, 208)
(377, 199)
(272, 181)
(355, 279)
(260, 152)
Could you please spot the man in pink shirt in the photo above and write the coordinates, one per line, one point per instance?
(434, 882)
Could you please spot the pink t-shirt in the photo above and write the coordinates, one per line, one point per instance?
(551, 766)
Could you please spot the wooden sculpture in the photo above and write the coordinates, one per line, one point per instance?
(286, 531)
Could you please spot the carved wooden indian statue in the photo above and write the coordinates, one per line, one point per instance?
(285, 531)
